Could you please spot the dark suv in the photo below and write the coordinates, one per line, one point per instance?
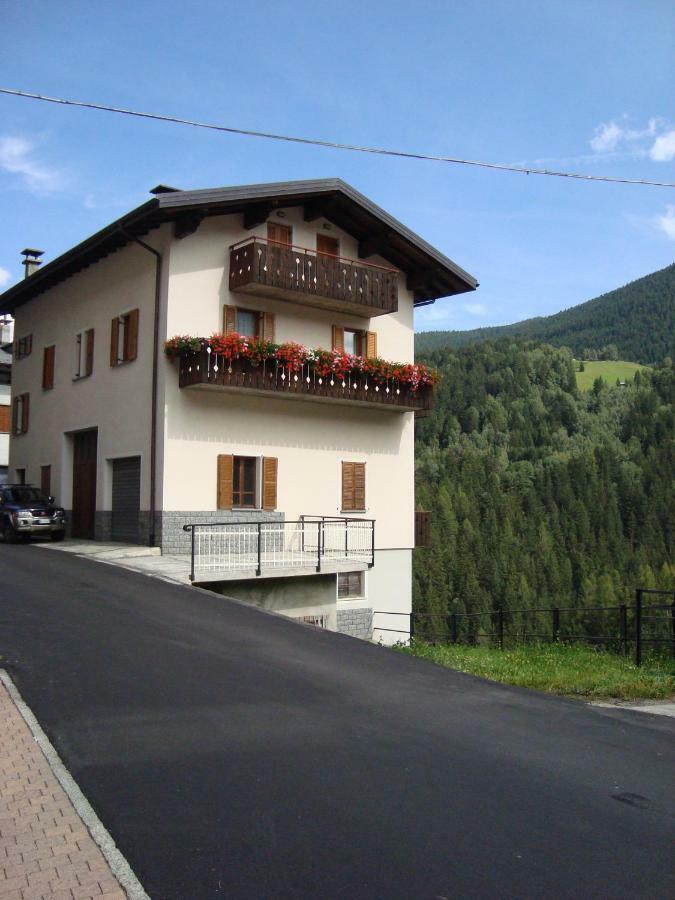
(24, 511)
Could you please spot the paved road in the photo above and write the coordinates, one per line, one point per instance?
(233, 753)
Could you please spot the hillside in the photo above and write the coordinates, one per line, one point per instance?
(638, 318)
(610, 371)
(542, 495)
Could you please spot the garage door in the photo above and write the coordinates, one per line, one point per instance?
(126, 499)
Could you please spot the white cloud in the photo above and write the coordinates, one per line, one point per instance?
(666, 222)
(475, 309)
(607, 137)
(17, 156)
(611, 136)
(5, 277)
(663, 148)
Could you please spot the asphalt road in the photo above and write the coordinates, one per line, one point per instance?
(233, 753)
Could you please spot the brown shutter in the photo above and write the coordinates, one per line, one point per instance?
(48, 368)
(338, 338)
(359, 485)
(268, 326)
(25, 412)
(229, 319)
(114, 340)
(5, 419)
(280, 234)
(347, 485)
(131, 336)
(46, 480)
(15, 415)
(90, 352)
(225, 481)
(371, 344)
(269, 482)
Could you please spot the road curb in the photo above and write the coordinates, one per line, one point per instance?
(99, 833)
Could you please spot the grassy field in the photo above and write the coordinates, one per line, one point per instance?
(608, 370)
(573, 671)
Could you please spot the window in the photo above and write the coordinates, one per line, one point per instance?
(358, 343)
(124, 338)
(5, 419)
(279, 234)
(84, 353)
(46, 480)
(20, 414)
(248, 482)
(48, 360)
(23, 347)
(350, 585)
(249, 322)
(20, 477)
(353, 487)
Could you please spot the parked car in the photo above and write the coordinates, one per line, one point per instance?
(26, 511)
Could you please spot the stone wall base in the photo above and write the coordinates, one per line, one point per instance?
(356, 621)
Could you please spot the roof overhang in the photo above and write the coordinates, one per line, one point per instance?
(430, 274)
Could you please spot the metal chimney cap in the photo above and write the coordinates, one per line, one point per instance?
(164, 189)
(29, 252)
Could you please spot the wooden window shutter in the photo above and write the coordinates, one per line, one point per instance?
(48, 368)
(229, 319)
(225, 481)
(131, 336)
(338, 338)
(25, 412)
(114, 340)
(46, 480)
(90, 352)
(5, 419)
(359, 485)
(371, 344)
(268, 326)
(15, 415)
(270, 465)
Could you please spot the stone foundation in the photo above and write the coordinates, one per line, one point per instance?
(356, 621)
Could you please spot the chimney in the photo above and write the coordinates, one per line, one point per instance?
(31, 260)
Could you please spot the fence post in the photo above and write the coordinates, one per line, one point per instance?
(453, 629)
(412, 625)
(500, 626)
(346, 524)
(259, 567)
(638, 626)
(192, 553)
(672, 624)
(556, 623)
(318, 545)
(623, 628)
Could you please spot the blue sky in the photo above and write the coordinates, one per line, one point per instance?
(585, 85)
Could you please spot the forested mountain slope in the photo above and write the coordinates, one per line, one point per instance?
(639, 318)
(540, 495)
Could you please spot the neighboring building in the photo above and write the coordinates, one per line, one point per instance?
(6, 333)
(135, 445)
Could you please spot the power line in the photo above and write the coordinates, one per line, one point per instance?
(333, 145)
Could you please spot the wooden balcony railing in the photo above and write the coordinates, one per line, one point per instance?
(258, 266)
(207, 370)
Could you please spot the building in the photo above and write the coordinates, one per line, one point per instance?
(6, 333)
(302, 483)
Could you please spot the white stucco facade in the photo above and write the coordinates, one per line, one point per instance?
(310, 438)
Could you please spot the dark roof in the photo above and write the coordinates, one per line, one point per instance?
(430, 274)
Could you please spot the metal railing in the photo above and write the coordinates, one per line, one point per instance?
(619, 627)
(317, 543)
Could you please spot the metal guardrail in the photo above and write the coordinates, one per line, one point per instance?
(318, 543)
(636, 623)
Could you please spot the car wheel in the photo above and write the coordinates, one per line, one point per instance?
(57, 535)
(11, 535)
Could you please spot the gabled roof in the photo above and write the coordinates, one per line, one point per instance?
(430, 274)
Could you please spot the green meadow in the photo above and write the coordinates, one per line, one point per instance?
(608, 370)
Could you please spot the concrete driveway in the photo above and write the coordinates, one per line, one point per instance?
(233, 753)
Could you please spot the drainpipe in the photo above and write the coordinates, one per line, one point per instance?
(155, 365)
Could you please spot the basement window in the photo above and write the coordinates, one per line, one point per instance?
(350, 585)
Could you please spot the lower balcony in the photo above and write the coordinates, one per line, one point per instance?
(209, 371)
(227, 551)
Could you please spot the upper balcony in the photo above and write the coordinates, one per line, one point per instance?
(262, 267)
